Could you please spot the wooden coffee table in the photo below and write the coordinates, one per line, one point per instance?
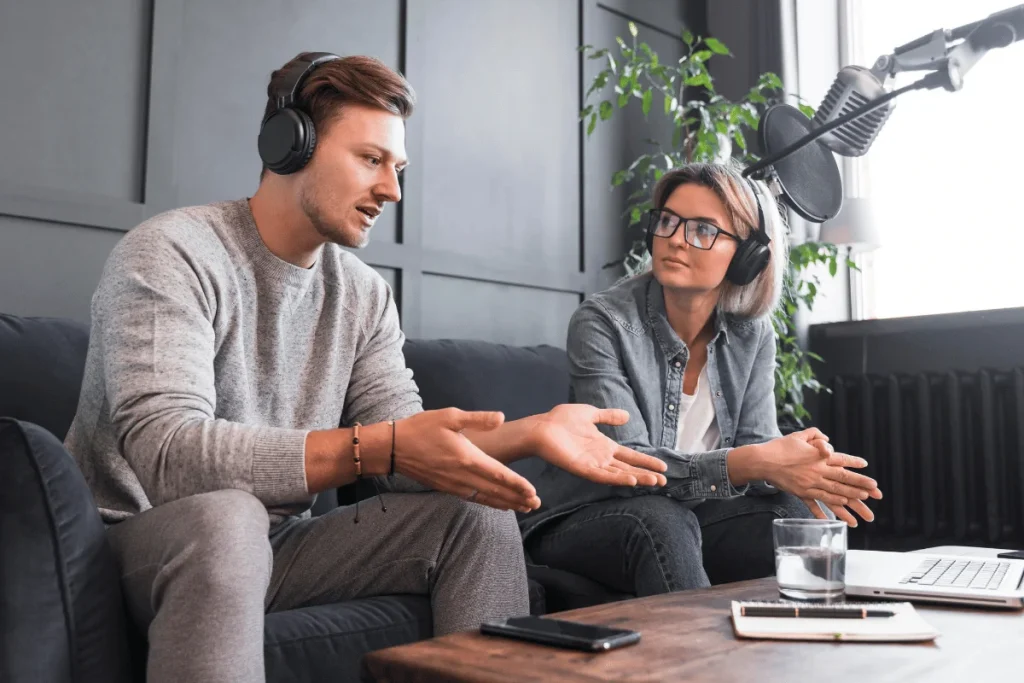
(688, 637)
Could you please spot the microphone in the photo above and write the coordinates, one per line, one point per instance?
(854, 87)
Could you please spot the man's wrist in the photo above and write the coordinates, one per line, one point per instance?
(375, 449)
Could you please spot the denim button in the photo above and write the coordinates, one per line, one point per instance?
(713, 488)
(728, 439)
(718, 393)
(678, 364)
(671, 406)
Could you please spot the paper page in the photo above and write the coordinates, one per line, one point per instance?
(905, 625)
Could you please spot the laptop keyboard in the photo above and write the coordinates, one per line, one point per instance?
(952, 573)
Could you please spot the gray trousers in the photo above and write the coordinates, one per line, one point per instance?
(199, 573)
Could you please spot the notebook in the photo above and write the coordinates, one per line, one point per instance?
(906, 625)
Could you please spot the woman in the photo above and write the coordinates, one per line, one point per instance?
(688, 349)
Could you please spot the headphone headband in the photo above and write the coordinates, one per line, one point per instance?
(288, 91)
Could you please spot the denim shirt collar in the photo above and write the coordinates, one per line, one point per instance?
(657, 319)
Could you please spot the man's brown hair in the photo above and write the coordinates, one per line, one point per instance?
(349, 80)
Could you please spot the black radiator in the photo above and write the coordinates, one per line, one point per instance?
(946, 448)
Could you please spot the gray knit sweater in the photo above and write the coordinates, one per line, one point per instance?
(210, 359)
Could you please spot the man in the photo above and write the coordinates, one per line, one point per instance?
(228, 343)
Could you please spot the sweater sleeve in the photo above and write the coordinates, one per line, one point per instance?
(381, 386)
(153, 311)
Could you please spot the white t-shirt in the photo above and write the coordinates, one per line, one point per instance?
(698, 430)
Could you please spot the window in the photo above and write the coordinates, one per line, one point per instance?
(946, 174)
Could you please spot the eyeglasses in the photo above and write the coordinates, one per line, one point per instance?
(699, 234)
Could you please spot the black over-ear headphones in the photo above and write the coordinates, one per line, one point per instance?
(752, 254)
(287, 135)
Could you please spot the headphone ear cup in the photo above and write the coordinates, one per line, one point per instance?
(309, 141)
(286, 142)
(748, 262)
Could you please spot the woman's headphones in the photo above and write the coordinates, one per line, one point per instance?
(287, 135)
(752, 253)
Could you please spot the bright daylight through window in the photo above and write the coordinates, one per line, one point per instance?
(945, 175)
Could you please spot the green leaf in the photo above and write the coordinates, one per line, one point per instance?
(716, 46)
(771, 80)
(634, 215)
(619, 178)
(658, 173)
(584, 48)
(623, 99)
(740, 141)
(585, 112)
(592, 125)
(648, 96)
(598, 54)
(699, 79)
(632, 29)
(621, 42)
(688, 38)
(669, 104)
(606, 110)
(807, 110)
(701, 55)
(832, 268)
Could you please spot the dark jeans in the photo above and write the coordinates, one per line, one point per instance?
(646, 545)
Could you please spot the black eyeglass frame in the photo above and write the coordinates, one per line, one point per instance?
(655, 214)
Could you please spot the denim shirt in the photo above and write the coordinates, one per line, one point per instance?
(624, 354)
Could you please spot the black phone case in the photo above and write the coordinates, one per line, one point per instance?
(601, 645)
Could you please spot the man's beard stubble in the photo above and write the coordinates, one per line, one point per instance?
(331, 233)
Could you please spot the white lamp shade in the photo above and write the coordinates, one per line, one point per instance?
(856, 226)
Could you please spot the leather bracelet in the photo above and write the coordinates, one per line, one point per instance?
(391, 472)
(355, 450)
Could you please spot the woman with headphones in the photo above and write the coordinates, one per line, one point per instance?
(688, 349)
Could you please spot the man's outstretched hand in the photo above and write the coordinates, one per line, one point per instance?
(567, 436)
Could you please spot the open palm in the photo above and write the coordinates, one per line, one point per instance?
(567, 437)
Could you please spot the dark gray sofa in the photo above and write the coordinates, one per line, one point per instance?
(61, 615)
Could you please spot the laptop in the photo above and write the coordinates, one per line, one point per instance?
(966, 579)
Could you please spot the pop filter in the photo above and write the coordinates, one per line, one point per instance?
(809, 177)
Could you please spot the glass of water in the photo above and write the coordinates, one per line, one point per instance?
(810, 558)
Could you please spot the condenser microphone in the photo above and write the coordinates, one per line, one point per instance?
(853, 88)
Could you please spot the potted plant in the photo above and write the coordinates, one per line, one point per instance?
(706, 127)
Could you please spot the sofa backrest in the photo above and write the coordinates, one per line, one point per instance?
(42, 361)
(41, 365)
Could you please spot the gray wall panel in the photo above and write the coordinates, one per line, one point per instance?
(500, 165)
(51, 270)
(470, 309)
(73, 110)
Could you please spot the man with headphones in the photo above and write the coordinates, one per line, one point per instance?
(229, 341)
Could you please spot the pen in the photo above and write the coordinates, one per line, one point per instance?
(813, 612)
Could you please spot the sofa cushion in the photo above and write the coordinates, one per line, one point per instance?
(327, 642)
(61, 610)
(41, 365)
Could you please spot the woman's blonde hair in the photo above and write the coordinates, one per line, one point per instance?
(762, 295)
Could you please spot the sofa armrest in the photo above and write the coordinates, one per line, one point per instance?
(61, 611)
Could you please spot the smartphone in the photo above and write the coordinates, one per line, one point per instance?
(560, 633)
(1012, 555)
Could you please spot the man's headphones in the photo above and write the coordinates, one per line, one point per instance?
(287, 135)
(752, 254)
